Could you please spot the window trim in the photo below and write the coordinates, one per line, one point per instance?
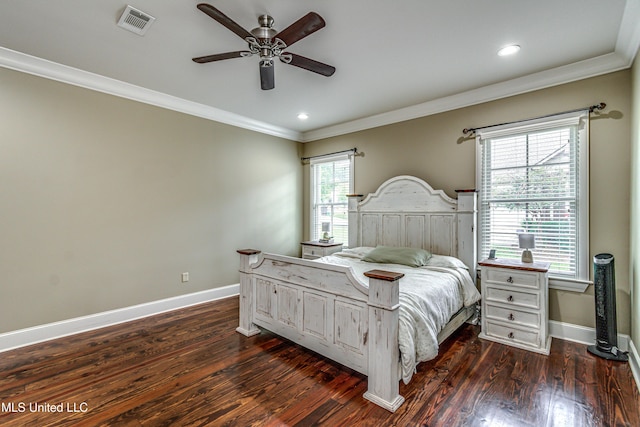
(312, 194)
(580, 118)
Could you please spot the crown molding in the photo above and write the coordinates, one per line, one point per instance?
(577, 71)
(628, 41)
(51, 70)
(626, 50)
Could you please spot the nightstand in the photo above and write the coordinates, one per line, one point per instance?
(515, 301)
(315, 249)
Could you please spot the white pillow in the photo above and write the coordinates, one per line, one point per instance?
(413, 257)
(358, 252)
(445, 261)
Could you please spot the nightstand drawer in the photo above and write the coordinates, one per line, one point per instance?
(312, 251)
(511, 315)
(513, 278)
(513, 297)
(515, 335)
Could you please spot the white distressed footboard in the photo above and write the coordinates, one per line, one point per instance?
(325, 308)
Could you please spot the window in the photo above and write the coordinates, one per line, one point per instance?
(331, 181)
(533, 178)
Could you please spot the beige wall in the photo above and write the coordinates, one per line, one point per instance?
(434, 149)
(104, 202)
(635, 205)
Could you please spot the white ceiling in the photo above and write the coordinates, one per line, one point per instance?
(395, 60)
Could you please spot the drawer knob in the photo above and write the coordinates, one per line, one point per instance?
(510, 298)
(510, 335)
(510, 279)
(511, 316)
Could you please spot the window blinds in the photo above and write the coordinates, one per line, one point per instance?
(331, 178)
(531, 181)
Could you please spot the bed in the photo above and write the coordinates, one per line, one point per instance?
(354, 311)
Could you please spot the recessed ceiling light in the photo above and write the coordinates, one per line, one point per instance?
(509, 50)
(303, 116)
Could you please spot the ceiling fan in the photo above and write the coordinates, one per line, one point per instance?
(269, 44)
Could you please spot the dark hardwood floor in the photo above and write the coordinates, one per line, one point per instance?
(190, 367)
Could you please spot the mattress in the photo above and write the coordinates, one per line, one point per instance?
(429, 296)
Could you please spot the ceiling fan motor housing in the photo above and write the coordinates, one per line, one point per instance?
(265, 31)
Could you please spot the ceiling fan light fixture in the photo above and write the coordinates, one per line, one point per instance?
(509, 50)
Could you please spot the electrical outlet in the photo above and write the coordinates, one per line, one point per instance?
(185, 277)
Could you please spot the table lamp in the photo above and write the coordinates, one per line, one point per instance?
(325, 230)
(527, 241)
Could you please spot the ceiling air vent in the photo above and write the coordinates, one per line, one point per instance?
(135, 20)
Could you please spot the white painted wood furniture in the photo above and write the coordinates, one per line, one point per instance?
(314, 249)
(325, 308)
(515, 303)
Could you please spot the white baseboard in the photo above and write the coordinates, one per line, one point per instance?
(634, 362)
(584, 335)
(49, 331)
(581, 334)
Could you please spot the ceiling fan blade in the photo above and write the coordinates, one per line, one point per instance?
(309, 64)
(267, 74)
(221, 56)
(224, 20)
(308, 24)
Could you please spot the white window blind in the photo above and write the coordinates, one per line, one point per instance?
(331, 181)
(534, 179)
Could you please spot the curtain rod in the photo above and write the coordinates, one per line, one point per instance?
(599, 106)
(353, 150)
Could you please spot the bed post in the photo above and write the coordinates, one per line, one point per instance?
(467, 240)
(246, 326)
(384, 354)
(353, 200)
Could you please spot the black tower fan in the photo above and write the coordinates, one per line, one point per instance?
(604, 281)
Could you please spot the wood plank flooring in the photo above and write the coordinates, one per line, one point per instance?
(190, 368)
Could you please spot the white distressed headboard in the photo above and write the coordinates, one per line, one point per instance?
(405, 211)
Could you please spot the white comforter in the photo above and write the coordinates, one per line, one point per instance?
(429, 296)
